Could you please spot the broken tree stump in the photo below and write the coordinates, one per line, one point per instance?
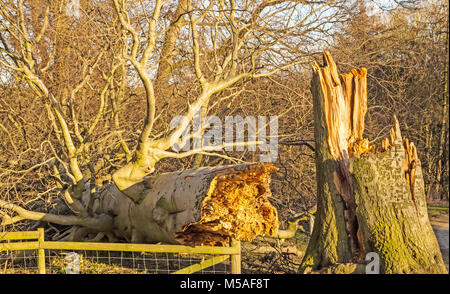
(369, 198)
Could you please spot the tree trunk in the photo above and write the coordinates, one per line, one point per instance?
(204, 206)
(369, 198)
(440, 174)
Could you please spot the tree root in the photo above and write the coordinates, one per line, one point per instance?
(339, 268)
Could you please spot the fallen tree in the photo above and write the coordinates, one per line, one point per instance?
(369, 198)
(110, 188)
(205, 206)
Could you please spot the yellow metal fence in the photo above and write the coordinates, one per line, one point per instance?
(35, 241)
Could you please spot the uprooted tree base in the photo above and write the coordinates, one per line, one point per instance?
(205, 206)
(369, 198)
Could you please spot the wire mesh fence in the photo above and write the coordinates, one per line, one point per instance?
(105, 262)
(60, 258)
(20, 262)
(111, 262)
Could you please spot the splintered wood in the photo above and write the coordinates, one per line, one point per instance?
(409, 165)
(345, 106)
(236, 206)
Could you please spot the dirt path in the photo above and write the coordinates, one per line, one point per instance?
(440, 226)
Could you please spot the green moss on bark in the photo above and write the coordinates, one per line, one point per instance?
(392, 224)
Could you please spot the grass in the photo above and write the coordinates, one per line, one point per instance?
(86, 267)
(437, 209)
(89, 267)
(302, 240)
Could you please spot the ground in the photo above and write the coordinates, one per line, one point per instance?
(440, 224)
(264, 255)
(281, 259)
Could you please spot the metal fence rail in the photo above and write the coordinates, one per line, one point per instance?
(163, 259)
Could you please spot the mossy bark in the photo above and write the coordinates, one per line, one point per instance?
(393, 219)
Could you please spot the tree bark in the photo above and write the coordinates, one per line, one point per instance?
(369, 198)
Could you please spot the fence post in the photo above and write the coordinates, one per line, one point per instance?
(41, 252)
(235, 259)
